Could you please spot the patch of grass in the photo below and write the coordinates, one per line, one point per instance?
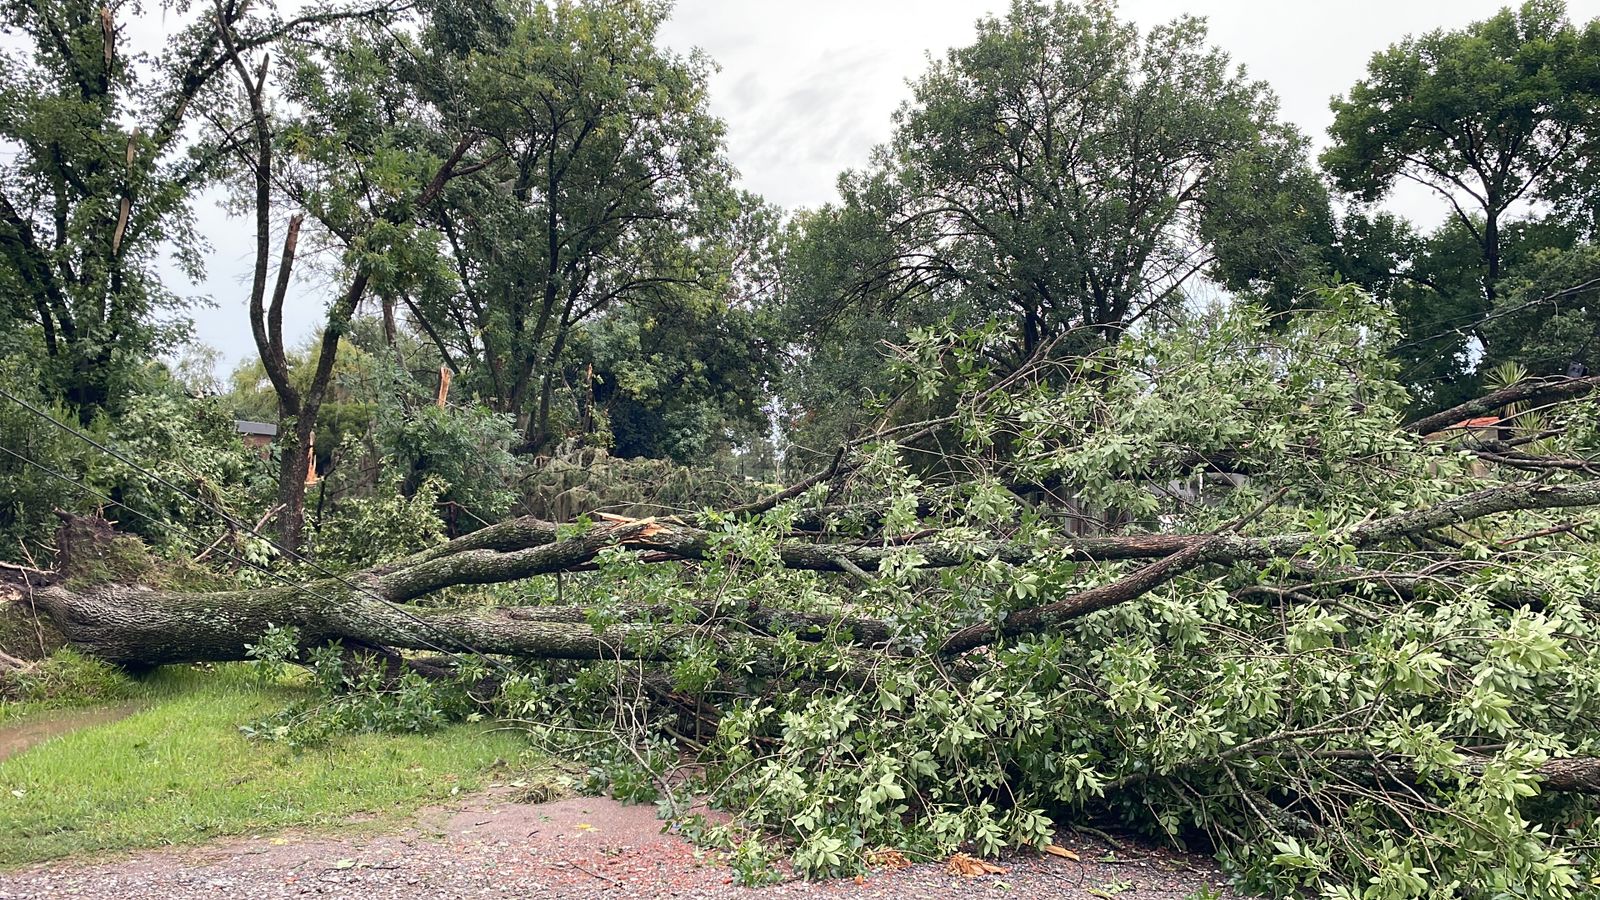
(180, 772)
(25, 635)
(63, 680)
(103, 556)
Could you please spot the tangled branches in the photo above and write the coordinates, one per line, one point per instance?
(1294, 630)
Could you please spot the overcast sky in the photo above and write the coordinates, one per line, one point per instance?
(807, 88)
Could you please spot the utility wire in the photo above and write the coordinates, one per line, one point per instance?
(1474, 319)
(235, 523)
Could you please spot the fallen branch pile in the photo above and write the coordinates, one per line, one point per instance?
(1372, 637)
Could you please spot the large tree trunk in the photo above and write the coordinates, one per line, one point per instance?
(140, 626)
(370, 611)
(294, 467)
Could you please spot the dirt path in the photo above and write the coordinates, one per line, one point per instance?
(581, 848)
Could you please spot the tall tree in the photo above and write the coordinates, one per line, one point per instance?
(1065, 175)
(1067, 170)
(98, 189)
(354, 163)
(1490, 118)
(610, 186)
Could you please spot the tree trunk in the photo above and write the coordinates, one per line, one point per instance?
(138, 626)
(141, 627)
(1491, 255)
(294, 465)
(369, 611)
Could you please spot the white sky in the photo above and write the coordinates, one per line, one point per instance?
(807, 88)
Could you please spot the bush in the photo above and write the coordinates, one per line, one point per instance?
(29, 494)
(190, 444)
(366, 530)
(467, 451)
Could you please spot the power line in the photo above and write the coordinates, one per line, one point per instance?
(101, 495)
(235, 523)
(1471, 320)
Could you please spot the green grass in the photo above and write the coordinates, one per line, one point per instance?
(67, 680)
(178, 772)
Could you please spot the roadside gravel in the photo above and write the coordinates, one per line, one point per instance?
(489, 847)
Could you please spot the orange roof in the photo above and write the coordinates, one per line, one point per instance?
(1479, 422)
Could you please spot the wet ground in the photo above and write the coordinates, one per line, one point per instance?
(15, 737)
(490, 846)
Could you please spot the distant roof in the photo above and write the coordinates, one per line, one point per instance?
(246, 427)
(1479, 422)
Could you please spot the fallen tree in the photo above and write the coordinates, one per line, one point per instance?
(1372, 662)
(142, 626)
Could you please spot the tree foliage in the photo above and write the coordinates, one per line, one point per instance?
(1069, 171)
(98, 190)
(1067, 176)
(607, 188)
(1363, 668)
(1492, 119)
(1548, 320)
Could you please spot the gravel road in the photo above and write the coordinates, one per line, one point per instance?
(583, 848)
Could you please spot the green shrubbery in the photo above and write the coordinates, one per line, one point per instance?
(352, 693)
(29, 494)
(177, 445)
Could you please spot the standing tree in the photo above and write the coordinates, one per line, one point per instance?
(609, 187)
(356, 164)
(1065, 172)
(1490, 118)
(1063, 177)
(98, 189)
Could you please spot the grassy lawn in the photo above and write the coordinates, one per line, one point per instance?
(178, 771)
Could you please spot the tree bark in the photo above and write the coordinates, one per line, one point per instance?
(1532, 390)
(294, 466)
(140, 626)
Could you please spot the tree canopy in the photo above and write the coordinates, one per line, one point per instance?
(1067, 176)
(1069, 171)
(1496, 120)
(608, 187)
(98, 191)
